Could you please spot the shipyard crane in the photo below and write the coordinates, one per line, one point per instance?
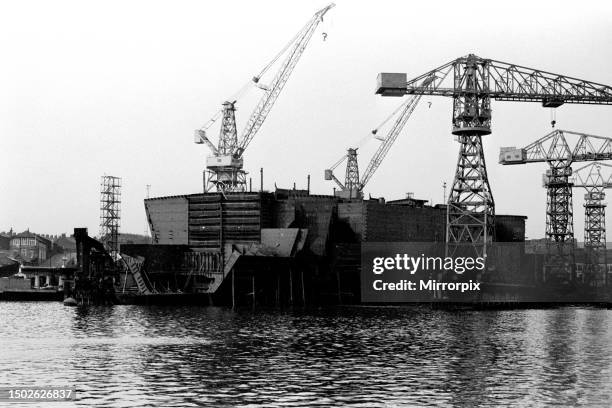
(595, 177)
(353, 186)
(476, 80)
(559, 148)
(224, 169)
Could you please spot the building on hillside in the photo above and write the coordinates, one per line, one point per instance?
(5, 242)
(30, 247)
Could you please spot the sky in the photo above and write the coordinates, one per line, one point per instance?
(118, 87)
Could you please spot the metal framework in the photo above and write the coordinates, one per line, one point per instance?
(110, 213)
(476, 80)
(403, 112)
(224, 169)
(559, 149)
(389, 140)
(594, 178)
(351, 179)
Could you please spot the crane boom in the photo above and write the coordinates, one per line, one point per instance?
(431, 81)
(595, 178)
(591, 176)
(355, 188)
(272, 91)
(504, 81)
(385, 146)
(557, 147)
(224, 169)
(470, 216)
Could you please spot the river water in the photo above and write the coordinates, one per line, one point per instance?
(128, 356)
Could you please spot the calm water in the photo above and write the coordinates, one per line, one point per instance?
(126, 356)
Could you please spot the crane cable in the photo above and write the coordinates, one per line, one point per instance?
(399, 108)
(240, 93)
(373, 133)
(281, 53)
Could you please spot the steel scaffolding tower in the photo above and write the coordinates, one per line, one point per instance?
(110, 213)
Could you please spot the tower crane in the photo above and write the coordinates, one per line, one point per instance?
(559, 148)
(476, 80)
(595, 177)
(353, 186)
(224, 169)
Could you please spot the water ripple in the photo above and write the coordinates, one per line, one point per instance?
(128, 356)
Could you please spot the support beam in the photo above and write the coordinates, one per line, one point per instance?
(338, 286)
(470, 224)
(594, 177)
(303, 289)
(560, 261)
(233, 288)
(253, 288)
(290, 286)
(471, 209)
(595, 240)
(278, 288)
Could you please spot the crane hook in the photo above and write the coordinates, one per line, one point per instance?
(429, 104)
(553, 117)
(324, 36)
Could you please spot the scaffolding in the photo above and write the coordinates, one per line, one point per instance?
(110, 213)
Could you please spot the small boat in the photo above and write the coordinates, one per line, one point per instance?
(70, 301)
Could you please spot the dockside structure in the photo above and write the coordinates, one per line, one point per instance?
(290, 246)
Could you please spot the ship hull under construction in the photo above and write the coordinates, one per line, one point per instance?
(290, 247)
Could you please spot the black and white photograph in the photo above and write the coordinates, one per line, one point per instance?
(305, 203)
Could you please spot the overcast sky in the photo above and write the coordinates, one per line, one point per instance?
(118, 87)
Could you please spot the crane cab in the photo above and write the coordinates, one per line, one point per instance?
(512, 155)
(391, 84)
(224, 161)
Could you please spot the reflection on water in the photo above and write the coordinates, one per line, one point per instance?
(125, 356)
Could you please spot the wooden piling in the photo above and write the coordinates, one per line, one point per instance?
(303, 290)
(233, 289)
(338, 284)
(277, 289)
(290, 287)
(253, 287)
